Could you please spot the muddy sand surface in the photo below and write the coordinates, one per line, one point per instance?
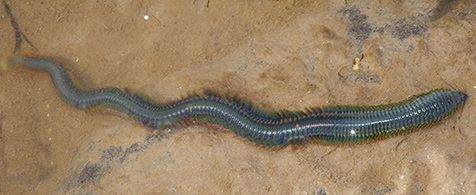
(280, 54)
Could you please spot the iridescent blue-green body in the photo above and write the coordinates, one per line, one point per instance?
(341, 124)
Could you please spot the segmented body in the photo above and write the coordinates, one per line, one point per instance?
(342, 124)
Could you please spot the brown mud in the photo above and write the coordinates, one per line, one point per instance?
(279, 54)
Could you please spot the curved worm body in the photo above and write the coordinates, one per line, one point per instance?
(342, 124)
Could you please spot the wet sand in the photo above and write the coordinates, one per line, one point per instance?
(278, 54)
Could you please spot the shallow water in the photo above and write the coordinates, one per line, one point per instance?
(279, 54)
